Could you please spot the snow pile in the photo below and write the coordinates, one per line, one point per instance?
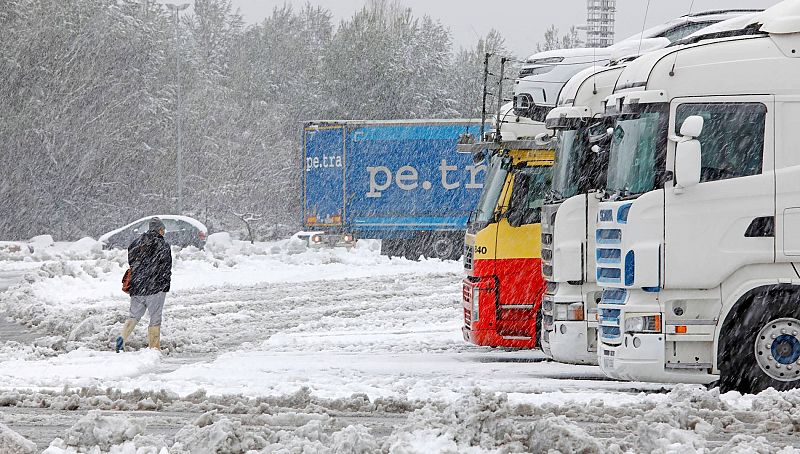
(219, 243)
(77, 368)
(206, 437)
(475, 421)
(95, 429)
(45, 249)
(478, 422)
(41, 242)
(14, 443)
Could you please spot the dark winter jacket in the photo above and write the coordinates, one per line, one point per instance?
(150, 259)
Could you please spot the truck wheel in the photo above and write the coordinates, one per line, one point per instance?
(761, 347)
(392, 247)
(445, 246)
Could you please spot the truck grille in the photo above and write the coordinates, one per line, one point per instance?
(469, 252)
(610, 328)
(547, 314)
(467, 297)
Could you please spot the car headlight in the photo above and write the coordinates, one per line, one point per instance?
(476, 294)
(347, 238)
(316, 239)
(643, 324)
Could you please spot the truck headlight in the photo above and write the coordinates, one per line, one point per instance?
(316, 239)
(569, 312)
(476, 294)
(643, 324)
(561, 312)
(575, 312)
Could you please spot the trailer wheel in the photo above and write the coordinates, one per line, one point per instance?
(761, 345)
(393, 247)
(445, 246)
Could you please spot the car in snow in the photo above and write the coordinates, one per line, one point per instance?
(181, 231)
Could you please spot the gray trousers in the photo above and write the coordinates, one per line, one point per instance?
(154, 304)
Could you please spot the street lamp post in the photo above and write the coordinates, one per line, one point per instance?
(177, 8)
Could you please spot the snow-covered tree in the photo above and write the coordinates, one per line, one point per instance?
(90, 104)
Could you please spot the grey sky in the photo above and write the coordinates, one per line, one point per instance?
(522, 22)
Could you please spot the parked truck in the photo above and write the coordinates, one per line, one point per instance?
(501, 302)
(402, 182)
(568, 249)
(569, 307)
(698, 227)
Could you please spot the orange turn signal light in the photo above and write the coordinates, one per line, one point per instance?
(680, 329)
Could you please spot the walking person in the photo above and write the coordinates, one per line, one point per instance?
(150, 260)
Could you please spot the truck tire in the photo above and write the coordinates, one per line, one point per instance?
(761, 345)
(393, 247)
(444, 246)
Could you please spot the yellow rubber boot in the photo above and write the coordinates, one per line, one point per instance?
(154, 337)
(127, 329)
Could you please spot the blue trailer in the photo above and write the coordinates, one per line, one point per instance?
(399, 181)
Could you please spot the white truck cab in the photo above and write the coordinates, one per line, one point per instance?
(697, 236)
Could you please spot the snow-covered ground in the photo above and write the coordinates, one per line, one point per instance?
(274, 347)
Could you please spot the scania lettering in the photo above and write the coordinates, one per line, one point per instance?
(699, 274)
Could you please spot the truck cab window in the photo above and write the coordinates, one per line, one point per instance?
(732, 140)
(527, 195)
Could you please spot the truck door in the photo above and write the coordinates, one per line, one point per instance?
(727, 220)
(787, 160)
(323, 177)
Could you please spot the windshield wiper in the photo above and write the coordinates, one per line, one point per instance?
(555, 194)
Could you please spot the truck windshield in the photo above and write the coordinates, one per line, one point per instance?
(527, 197)
(566, 171)
(492, 189)
(578, 169)
(638, 150)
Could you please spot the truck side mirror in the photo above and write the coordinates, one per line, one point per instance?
(688, 154)
(543, 139)
(687, 163)
(692, 127)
